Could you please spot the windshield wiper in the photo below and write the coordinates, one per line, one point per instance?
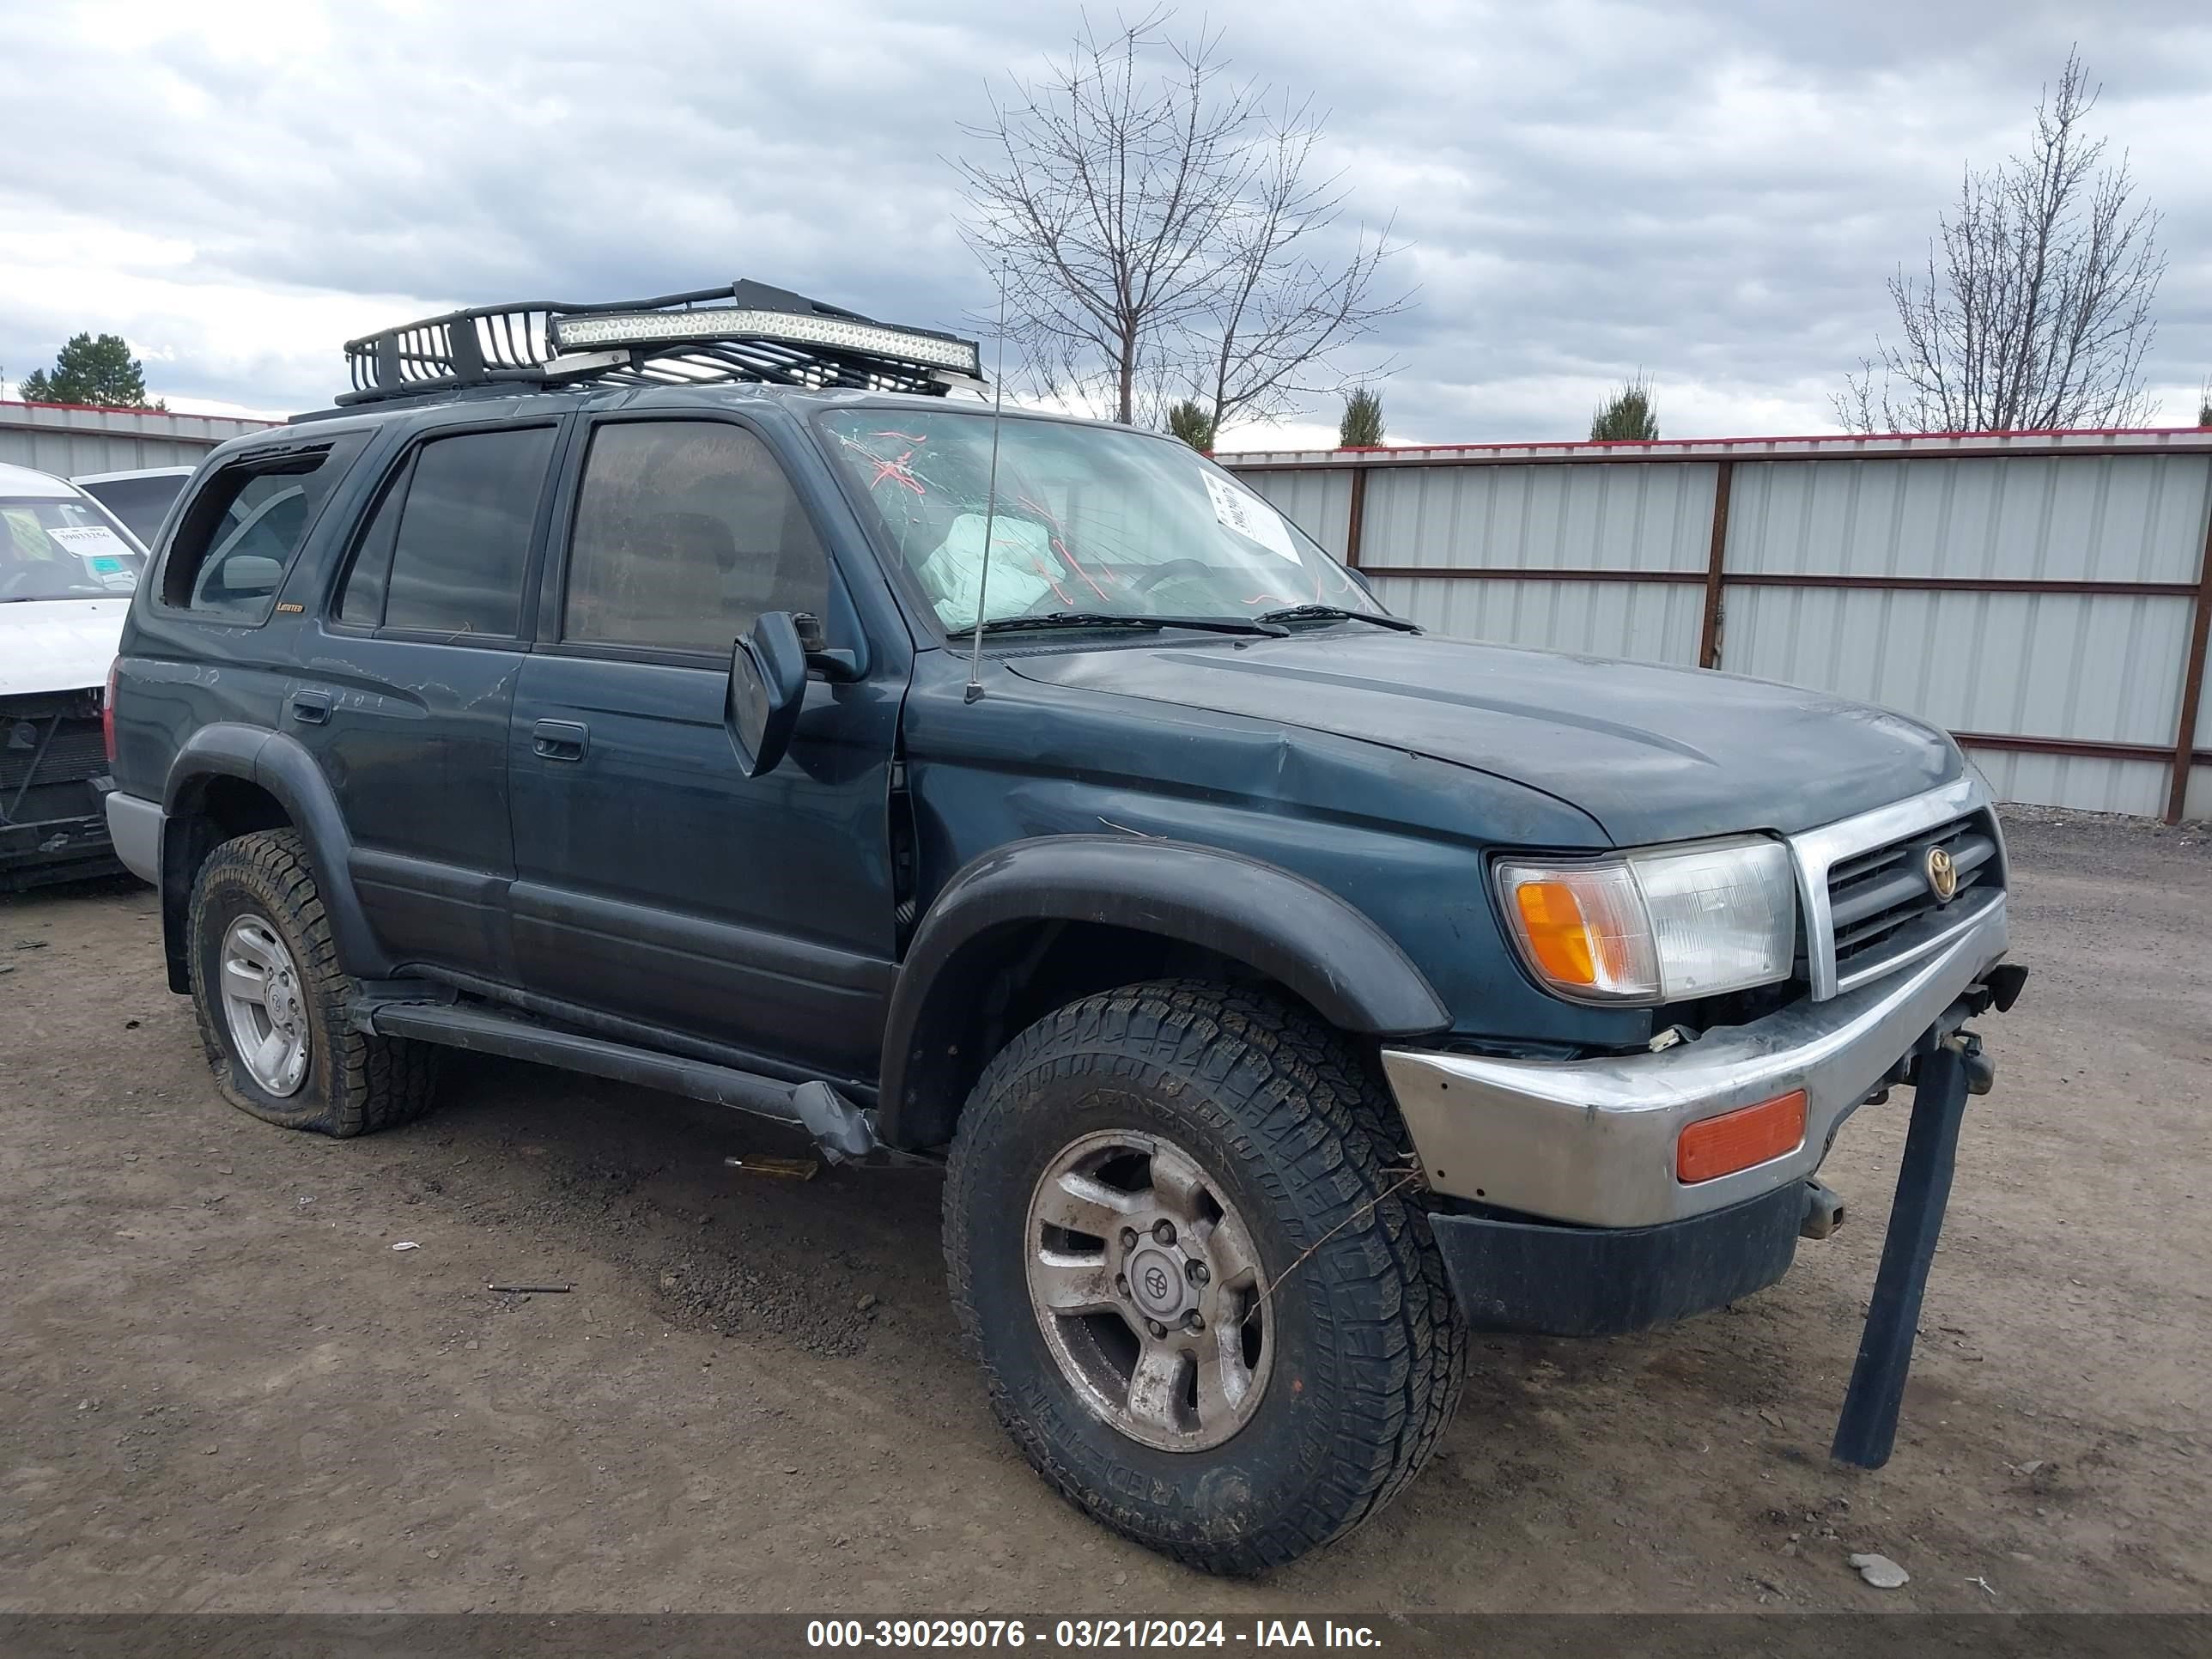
(1152, 624)
(1337, 613)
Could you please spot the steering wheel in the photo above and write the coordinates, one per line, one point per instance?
(1167, 568)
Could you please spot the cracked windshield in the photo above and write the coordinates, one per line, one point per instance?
(1090, 521)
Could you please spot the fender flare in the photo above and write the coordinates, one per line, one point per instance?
(282, 766)
(1296, 931)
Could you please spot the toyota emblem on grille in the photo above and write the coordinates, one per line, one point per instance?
(1943, 875)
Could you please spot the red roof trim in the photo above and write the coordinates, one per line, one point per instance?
(1687, 443)
(127, 409)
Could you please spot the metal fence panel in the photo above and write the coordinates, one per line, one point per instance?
(1623, 517)
(2111, 518)
(1319, 503)
(2098, 668)
(2039, 588)
(2085, 783)
(1642, 621)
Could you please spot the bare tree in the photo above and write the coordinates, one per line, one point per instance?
(1156, 228)
(2034, 311)
(1285, 298)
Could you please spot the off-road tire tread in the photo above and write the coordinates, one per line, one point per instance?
(375, 1082)
(1282, 1078)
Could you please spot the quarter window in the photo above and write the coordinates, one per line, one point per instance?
(238, 537)
(686, 533)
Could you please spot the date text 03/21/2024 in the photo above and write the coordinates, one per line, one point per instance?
(1086, 1634)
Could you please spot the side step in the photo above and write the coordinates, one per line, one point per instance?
(839, 1128)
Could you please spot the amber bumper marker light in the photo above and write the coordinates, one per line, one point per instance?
(1715, 1146)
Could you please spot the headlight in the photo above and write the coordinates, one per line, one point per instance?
(1661, 926)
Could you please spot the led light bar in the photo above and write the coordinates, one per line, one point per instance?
(729, 322)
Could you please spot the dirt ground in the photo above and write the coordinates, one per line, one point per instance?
(224, 1389)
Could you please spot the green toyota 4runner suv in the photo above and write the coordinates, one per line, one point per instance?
(693, 691)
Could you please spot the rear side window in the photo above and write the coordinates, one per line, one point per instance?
(686, 533)
(240, 532)
(444, 551)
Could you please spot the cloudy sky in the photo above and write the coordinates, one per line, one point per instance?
(1711, 192)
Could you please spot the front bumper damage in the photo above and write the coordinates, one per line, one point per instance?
(1533, 1276)
(53, 766)
(1570, 1219)
(1599, 1238)
(1592, 1142)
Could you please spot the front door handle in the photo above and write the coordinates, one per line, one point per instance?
(311, 708)
(560, 740)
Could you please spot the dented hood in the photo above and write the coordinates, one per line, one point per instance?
(1653, 754)
(59, 645)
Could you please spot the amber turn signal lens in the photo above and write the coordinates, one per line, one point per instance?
(1715, 1146)
(1551, 921)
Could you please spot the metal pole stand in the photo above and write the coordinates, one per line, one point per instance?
(1949, 1068)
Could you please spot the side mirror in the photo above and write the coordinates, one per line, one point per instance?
(838, 667)
(768, 686)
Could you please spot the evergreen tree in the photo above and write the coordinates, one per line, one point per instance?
(1189, 422)
(1632, 413)
(97, 370)
(1362, 425)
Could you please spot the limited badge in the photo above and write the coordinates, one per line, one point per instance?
(1943, 875)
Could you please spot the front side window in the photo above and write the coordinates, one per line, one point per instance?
(446, 549)
(686, 533)
(1087, 519)
(58, 548)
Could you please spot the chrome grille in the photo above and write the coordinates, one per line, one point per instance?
(1863, 881)
(1881, 904)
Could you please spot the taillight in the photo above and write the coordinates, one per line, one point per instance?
(107, 713)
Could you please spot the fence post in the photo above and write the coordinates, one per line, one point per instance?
(1355, 515)
(1709, 637)
(2192, 679)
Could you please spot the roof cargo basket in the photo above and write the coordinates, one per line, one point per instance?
(744, 331)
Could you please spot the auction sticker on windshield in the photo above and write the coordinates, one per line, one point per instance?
(102, 551)
(1250, 517)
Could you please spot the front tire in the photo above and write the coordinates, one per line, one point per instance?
(272, 1001)
(1183, 1245)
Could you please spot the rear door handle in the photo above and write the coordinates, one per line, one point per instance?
(561, 740)
(311, 708)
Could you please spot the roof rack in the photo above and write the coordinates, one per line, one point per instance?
(744, 331)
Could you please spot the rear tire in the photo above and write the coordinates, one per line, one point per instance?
(1352, 1353)
(257, 928)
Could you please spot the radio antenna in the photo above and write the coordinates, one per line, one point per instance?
(990, 502)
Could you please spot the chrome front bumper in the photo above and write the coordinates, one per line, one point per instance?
(1593, 1141)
